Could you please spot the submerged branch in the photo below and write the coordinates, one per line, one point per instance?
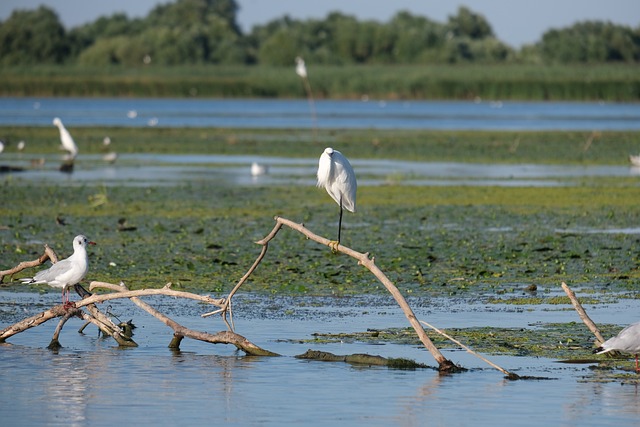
(509, 375)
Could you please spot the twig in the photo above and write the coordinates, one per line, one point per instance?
(510, 375)
(48, 254)
(583, 314)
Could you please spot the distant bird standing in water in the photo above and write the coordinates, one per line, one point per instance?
(67, 272)
(67, 141)
(336, 175)
(627, 341)
(257, 169)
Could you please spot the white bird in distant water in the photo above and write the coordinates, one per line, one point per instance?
(67, 141)
(336, 175)
(627, 341)
(67, 272)
(257, 169)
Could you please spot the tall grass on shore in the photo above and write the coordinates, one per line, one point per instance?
(506, 82)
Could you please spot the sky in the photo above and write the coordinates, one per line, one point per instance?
(515, 22)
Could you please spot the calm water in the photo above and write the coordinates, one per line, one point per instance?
(170, 170)
(91, 382)
(251, 113)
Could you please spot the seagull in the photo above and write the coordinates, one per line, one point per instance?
(336, 175)
(627, 341)
(1, 146)
(67, 141)
(110, 157)
(67, 272)
(21, 145)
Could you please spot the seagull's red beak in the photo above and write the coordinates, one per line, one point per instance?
(92, 243)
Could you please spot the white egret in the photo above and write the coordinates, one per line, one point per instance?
(67, 272)
(336, 175)
(68, 143)
(301, 68)
(627, 341)
(257, 169)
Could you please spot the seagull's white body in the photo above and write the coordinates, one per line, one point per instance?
(336, 175)
(635, 160)
(1, 146)
(67, 272)
(67, 141)
(301, 68)
(627, 341)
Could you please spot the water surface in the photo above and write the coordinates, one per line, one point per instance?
(91, 381)
(337, 114)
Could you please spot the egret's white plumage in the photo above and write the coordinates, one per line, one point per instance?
(67, 141)
(336, 175)
(67, 272)
(627, 341)
(301, 68)
(258, 169)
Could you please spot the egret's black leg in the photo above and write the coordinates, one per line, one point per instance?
(340, 223)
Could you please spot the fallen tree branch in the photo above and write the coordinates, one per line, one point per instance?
(363, 259)
(179, 331)
(509, 375)
(583, 314)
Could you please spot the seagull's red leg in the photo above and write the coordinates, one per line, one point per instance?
(637, 369)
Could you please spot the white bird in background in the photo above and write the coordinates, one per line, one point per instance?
(21, 145)
(257, 169)
(627, 341)
(106, 141)
(301, 68)
(1, 146)
(67, 272)
(67, 141)
(336, 175)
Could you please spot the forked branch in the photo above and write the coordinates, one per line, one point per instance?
(364, 260)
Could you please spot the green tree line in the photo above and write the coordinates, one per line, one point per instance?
(206, 32)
